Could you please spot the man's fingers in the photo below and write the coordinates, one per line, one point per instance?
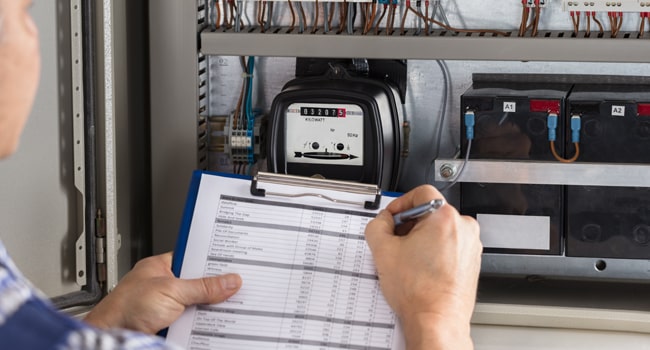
(380, 232)
(208, 290)
(417, 196)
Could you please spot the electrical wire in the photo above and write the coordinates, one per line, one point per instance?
(642, 26)
(260, 14)
(350, 18)
(564, 160)
(418, 7)
(301, 18)
(314, 28)
(217, 15)
(326, 11)
(459, 30)
(393, 11)
(601, 29)
(293, 17)
(240, 101)
(588, 31)
(269, 15)
(238, 25)
(446, 88)
(375, 10)
(538, 15)
(402, 24)
(330, 16)
(343, 14)
(248, 105)
(231, 14)
(575, 18)
(437, 8)
(525, 12)
(364, 15)
(426, 14)
(381, 17)
(373, 14)
(616, 21)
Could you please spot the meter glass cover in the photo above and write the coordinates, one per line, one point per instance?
(324, 133)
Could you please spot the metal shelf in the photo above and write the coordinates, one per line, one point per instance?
(547, 46)
(543, 173)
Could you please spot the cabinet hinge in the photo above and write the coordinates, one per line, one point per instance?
(100, 247)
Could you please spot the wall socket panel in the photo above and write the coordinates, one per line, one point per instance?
(606, 5)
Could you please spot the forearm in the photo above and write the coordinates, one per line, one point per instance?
(105, 316)
(433, 332)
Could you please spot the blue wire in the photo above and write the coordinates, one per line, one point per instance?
(248, 108)
(250, 117)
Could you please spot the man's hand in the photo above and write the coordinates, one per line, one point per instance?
(149, 298)
(429, 274)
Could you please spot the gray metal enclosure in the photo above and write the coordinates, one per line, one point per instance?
(432, 104)
(193, 78)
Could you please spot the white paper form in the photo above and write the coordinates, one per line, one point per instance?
(309, 281)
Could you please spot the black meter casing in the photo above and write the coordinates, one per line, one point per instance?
(306, 139)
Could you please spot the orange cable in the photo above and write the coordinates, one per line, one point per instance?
(563, 160)
(293, 17)
(217, 10)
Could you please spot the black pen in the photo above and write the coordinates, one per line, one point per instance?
(419, 211)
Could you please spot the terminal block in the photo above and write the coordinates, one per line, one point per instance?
(606, 5)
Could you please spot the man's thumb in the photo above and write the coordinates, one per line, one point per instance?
(209, 290)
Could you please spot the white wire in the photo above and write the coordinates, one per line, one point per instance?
(446, 88)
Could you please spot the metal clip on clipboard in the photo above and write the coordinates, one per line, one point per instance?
(334, 185)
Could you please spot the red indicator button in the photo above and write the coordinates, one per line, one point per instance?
(552, 106)
(643, 109)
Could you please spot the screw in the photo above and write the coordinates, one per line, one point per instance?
(447, 170)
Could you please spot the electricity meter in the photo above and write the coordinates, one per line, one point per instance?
(338, 127)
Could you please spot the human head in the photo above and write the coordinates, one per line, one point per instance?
(19, 70)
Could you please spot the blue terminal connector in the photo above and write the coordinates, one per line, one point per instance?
(469, 125)
(575, 128)
(551, 122)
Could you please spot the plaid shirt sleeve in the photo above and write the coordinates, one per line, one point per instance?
(28, 320)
